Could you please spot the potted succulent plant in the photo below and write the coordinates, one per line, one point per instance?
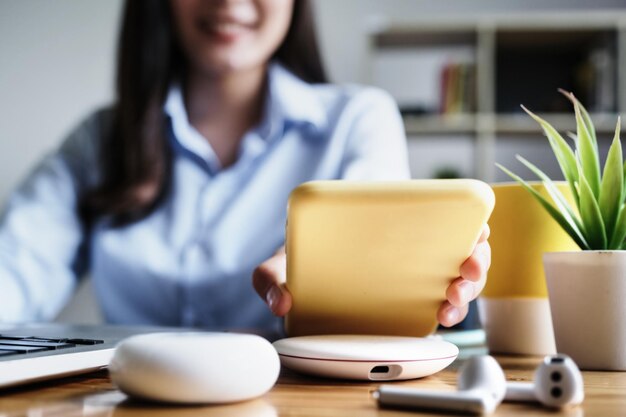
(587, 289)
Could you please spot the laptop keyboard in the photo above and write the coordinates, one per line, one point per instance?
(18, 345)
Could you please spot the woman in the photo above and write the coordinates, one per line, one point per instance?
(171, 198)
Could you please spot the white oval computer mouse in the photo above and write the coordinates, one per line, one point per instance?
(195, 367)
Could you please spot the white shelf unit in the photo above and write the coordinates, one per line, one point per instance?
(496, 43)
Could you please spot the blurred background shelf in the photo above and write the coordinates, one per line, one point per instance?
(564, 122)
(416, 125)
(437, 124)
(461, 80)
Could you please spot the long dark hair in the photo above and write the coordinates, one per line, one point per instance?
(135, 158)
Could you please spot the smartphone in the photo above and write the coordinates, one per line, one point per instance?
(377, 257)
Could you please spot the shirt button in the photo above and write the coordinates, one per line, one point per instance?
(194, 253)
(189, 316)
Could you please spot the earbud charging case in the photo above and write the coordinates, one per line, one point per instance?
(374, 358)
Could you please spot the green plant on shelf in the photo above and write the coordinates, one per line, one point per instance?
(597, 221)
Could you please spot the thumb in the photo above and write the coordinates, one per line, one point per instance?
(269, 279)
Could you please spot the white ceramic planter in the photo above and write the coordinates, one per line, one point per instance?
(587, 292)
(517, 325)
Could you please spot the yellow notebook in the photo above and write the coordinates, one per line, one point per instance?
(377, 257)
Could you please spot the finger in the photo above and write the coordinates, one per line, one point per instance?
(269, 279)
(449, 315)
(460, 292)
(484, 235)
(475, 267)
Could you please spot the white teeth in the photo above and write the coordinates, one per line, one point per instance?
(228, 28)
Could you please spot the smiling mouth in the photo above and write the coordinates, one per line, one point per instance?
(224, 30)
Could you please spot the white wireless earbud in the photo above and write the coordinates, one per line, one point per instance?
(481, 387)
(557, 383)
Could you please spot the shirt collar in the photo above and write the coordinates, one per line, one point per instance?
(292, 99)
(289, 101)
(185, 135)
(289, 98)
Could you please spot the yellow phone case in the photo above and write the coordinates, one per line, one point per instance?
(377, 257)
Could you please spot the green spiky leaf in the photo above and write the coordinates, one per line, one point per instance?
(612, 188)
(564, 154)
(619, 233)
(590, 214)
(587, 151)
(624, 178)
(556, 214)
(557, 197)
(600, 219)
(585, 115)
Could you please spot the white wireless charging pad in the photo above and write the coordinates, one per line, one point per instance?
(374, 358)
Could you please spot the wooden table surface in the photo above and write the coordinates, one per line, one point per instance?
(294, 395)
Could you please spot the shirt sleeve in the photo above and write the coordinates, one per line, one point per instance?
(41, 235)
(376, 147)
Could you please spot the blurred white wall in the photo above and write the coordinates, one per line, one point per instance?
(57, 61)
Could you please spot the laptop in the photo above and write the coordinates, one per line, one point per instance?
(35, 352)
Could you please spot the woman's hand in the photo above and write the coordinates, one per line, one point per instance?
(269, 282)
(466, 287)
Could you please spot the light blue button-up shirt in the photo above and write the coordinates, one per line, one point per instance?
(190, 261)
